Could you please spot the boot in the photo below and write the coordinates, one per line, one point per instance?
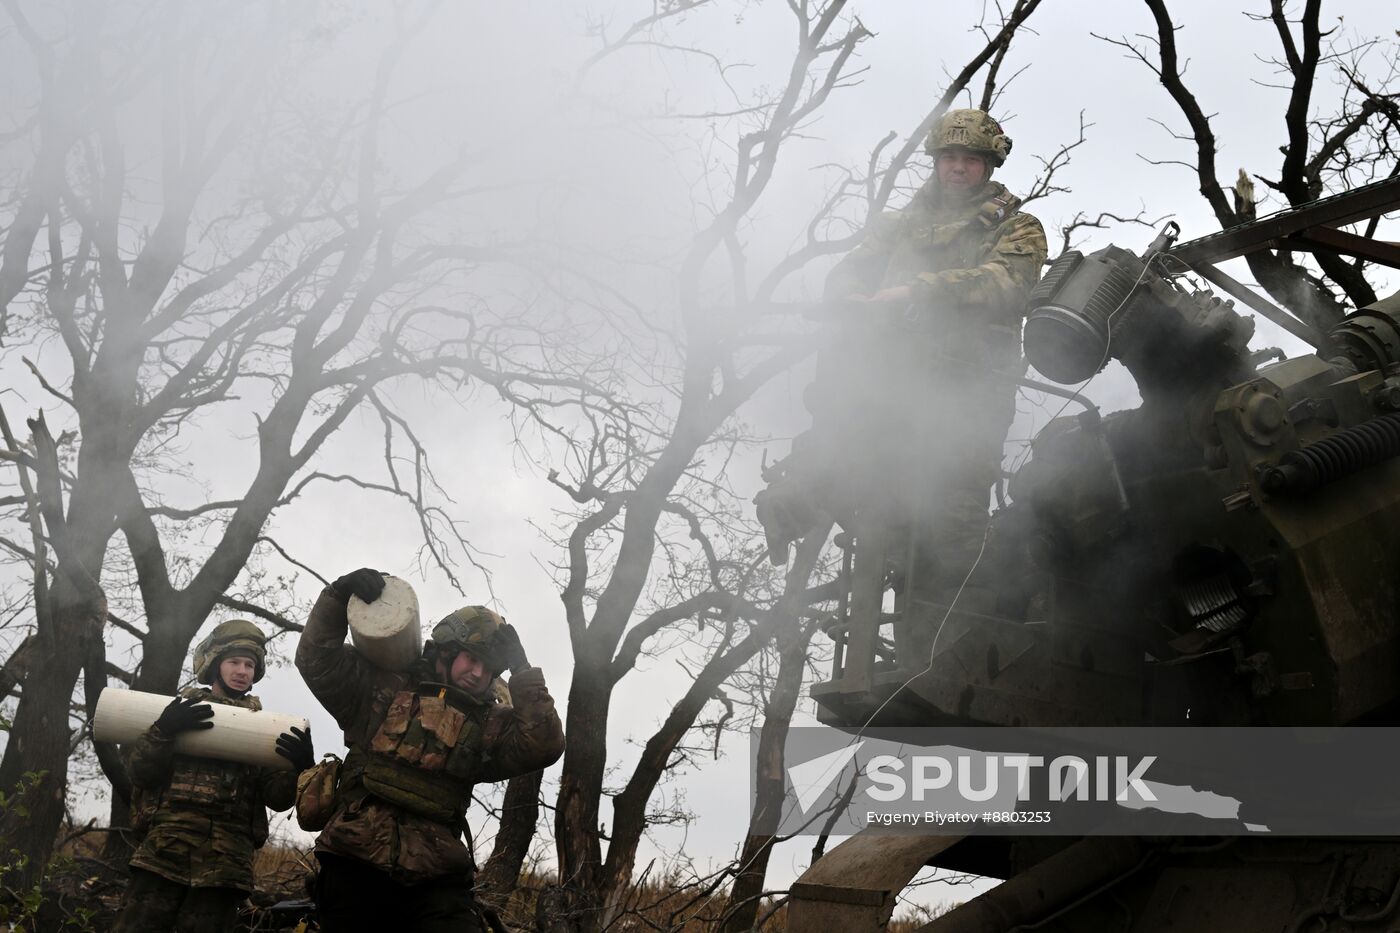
(786, 515)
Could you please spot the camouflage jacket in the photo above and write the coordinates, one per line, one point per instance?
(971, 267)
(955, 347)
(202, 818)
(417, 748)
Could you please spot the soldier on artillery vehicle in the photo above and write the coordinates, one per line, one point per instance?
(391, 852)
(912, 402)
(202, 818)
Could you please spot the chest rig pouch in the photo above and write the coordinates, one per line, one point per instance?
(217, 789)
(316, 789)
(426, 752)
(208, 784)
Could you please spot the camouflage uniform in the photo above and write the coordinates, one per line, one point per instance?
(956, 346)
(953, 351)
(417, 748)
(203, 819)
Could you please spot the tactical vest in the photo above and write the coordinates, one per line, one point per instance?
(960, 241)
(965, 243)
(424, 753)
(222, 790)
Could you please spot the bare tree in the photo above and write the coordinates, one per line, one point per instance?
(631, 805)
(203, 294)
(628, 487)
(655, 547)
(770, 789)
(1321, 153)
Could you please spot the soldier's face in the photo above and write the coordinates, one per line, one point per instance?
(960, 172)
(237, 672)
(469, 673)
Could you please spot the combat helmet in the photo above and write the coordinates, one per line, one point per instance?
(227, 637)
(473, 629)
(972, 130)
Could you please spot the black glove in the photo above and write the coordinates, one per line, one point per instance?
(510, 648)
(295, 746)
(364, 583)
(185, 714)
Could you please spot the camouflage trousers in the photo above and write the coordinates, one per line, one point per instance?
(352, 896)
(155, 905)
(933, 556)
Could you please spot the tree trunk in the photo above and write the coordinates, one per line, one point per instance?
(69, 632)
(576, 828)
(34, 771)
(630, 807)
(119, 845)
(16, 666)
(742, 908)
(164, 651)
(520, 811)
(1289, 284)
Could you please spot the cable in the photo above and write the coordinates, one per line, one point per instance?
(986, 534)
(1103, 360)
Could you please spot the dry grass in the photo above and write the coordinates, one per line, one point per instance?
(674, 907)
(282, 872)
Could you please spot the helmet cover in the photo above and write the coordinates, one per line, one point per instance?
(472, 629)
(228, 638)
(970, 130)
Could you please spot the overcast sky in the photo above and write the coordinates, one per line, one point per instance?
(596, 163)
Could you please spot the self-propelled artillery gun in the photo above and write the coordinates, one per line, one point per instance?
(1225, 554)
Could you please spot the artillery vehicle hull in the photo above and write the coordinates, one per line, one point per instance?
(1227, 554)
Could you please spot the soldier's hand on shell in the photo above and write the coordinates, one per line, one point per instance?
(364, 583)
(512, 651)
(185, 714)
(295, 746)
